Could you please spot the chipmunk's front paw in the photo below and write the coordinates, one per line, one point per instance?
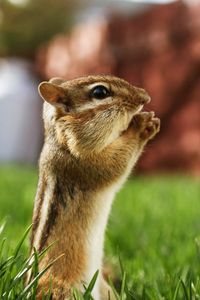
(146, 125)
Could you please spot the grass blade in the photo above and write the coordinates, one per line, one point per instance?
(177, 290)
(122, 287)
(91, 285)
(22, 240)
(2, 227)
(34, 280)
(113, 289)
(184, 290)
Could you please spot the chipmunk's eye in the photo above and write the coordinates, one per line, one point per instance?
(100, 92)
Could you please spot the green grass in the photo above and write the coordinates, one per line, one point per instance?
(154, 226)
(17, 190)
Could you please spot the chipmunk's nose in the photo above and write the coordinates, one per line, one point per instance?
(141, 96)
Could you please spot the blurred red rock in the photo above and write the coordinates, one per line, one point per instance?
(158, 50)
(85, 51)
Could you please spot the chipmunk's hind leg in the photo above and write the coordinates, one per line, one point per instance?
(58, 290)
(106, 292)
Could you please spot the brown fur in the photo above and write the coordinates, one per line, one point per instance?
(86, 151)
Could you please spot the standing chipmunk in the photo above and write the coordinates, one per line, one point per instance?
(94, 133)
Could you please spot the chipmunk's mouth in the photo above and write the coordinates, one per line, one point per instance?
(136, 111)
(139, 109)
(128, 116)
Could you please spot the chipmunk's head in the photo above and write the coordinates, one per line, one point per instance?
(104, 101)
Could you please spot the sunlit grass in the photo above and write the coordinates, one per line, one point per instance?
(154, 226)
(17, 190)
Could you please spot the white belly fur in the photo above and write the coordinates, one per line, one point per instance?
(95, 240)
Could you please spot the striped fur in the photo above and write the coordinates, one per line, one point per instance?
(90, 148)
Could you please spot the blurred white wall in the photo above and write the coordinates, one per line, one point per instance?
(20, 112)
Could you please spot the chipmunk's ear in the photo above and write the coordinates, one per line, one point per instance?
(52, 93)
(57, 80)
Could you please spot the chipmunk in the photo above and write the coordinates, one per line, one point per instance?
(94, 134)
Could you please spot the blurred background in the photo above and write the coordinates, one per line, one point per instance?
(153, 44)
